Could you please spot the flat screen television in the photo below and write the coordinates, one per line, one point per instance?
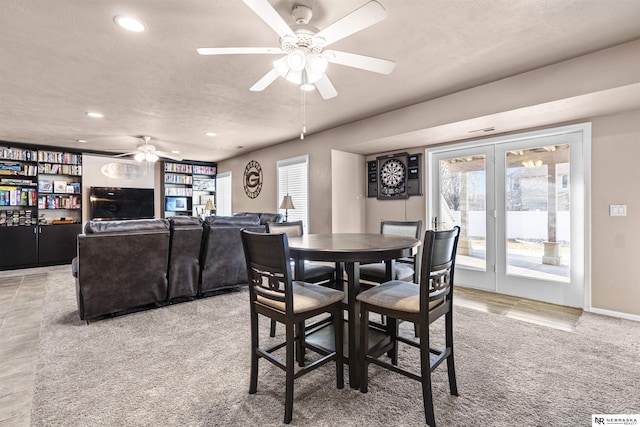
(115, 203)
(175, 204)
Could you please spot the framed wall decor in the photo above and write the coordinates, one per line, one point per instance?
(252, 179)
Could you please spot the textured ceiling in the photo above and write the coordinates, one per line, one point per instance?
(59, 59)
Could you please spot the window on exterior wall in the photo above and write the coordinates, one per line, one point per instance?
(223, 196)
(293, 179)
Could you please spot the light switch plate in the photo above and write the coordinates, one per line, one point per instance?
(617, 210)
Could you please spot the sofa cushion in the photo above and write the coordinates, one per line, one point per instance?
(235, 221)
(99, 227)
(183, 220)
(265, 217)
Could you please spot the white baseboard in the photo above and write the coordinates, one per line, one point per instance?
(612, 313)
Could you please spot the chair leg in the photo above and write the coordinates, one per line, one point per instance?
(451, 370)
(338, 343)
(272, 330)
(290, 371)
(425, 373)
(364, 347)
(253, 377)
(392, 328)
(300, 350)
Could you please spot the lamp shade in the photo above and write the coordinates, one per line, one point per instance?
(209, 206)
(287, 203)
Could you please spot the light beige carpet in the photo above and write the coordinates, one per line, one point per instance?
(188, 365)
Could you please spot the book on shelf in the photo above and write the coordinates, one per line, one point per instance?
(59, 186)
(204, 184)
(45, 186)
(75, 187)
(63, 221)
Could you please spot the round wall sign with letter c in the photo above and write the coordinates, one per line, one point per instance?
(252, 179)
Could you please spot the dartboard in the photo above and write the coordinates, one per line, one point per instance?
(392, 173)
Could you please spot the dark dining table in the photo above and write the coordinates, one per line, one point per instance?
(350, 250)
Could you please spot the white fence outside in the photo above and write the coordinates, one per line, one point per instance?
(520, 225)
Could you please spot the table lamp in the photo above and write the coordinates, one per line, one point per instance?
(208, 207)
(286, 204)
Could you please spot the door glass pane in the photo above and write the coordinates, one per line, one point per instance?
(537, 217)
(463, 203)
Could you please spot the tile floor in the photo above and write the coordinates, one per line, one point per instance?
(21, 299)
(22, 296)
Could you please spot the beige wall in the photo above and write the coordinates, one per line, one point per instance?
(93, 177)
(616, 144)
(615, 175)
(347, 192)
(319, 180)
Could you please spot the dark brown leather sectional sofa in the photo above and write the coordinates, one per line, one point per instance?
(123, 266)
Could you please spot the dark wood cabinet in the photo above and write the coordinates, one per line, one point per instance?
(40, 206)
(57, 243)
(19, 246)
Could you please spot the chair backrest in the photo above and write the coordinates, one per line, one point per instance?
(268, 267)
(291, 229)
(401, 228)
(405, 228)
(438, 264)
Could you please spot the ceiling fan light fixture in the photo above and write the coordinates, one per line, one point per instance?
(316, 63)
(150, 157)
(306, 85)
(139, 157)
(281, 66)
(294, 77)
(296, 60)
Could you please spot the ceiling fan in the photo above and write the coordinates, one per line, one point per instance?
(303, 45)
(147, 152)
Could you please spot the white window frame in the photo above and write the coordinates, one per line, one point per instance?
(224, 199)
(299, 196)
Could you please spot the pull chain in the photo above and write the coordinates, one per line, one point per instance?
(304, 113)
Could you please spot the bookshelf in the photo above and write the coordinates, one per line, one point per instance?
(59, 188)
(18, 187)
(40, 205)
(186, 187)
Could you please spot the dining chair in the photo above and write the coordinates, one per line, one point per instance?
(406, 269)
(422, 304)
(274, 294)
(314, 272)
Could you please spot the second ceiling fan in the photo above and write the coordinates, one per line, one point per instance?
(303, 45)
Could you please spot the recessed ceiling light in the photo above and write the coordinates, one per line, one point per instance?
(129, 24)
(211, 134)
(94, 114)
(175, 151)
(84, 141)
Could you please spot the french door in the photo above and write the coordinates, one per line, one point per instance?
(522, 207)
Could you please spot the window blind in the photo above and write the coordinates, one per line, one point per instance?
(223, 196)
(293, 179)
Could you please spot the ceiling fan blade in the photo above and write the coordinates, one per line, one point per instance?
(369, 63)
(265, 81)
(325, 87)
(269, 15)
(238, 50)
(359, 19)
(124, 154)
(168, 155)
